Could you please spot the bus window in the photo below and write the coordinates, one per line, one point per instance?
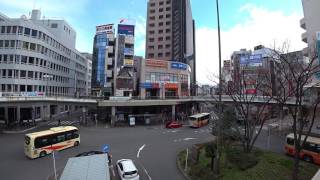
(75, 134)
(290, 141)
(60, 138)
(69, 136)
(41, 142)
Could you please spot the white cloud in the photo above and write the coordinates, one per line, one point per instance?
(262, 26)
(140, 35)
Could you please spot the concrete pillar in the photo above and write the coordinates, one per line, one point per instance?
(173, 112)
(6, 117)
(48, 112)
(113, 115)
(18, 114)
(42, 113)
(143, 93)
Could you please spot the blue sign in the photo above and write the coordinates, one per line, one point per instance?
(251, 60)
(105, 148)
(129, 51)
(176, 65)
(146, 85)
(126, 29)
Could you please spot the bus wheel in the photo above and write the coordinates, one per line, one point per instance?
(43, 153)
(308, 158)
(76, 143)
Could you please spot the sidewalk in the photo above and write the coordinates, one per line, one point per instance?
(22, 129)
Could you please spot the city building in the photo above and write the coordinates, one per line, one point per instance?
(38, 58)
(113, 71)
(170, 34)
(161, 79)
(103, 61)
(310, 23)
(124, 74)
(88, 56)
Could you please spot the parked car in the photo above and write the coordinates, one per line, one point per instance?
(173, 124)
(127, 170)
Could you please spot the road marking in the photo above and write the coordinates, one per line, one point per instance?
(146, 172)
(113, 173)
(140, 149)
(187, 139)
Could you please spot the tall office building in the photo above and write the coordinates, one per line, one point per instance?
(103, 61)
(171, 33)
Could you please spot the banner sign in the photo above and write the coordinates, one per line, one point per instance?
(126, 29)
(32, 94)
(251, 91)
(128, 62)
(171, 86)
(157, 63)
(108, 28)
(128, 51)
(150, 85)
(252, 60)
(177, 65)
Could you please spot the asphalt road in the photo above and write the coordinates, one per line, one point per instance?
(157, 157)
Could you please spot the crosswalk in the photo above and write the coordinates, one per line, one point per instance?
(62, 123)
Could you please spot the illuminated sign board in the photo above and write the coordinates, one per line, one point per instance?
(171, 86)
(252, 60)
(126, 29)
(108, 28)
(128, 62)
(177, 65)
(157, 63)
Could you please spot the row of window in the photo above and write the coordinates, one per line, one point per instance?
(20, 59)
(50, 90)
(160, 3)
(160, 39)
(160, 17)
(17, 44)
(55, 138)
(160, 9)
(160, 24)
(160, 55)
(166, 77)
(160, 31)
(160, 46)
(33, 75)
(20, 30)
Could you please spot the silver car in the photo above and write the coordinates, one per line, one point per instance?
(127, 170)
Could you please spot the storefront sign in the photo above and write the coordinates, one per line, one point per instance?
(150, 85)
(128, 62)
(251, 91)
(108, 28)
(177, 65)
(171, 86)
(157, 63)
(32, 94)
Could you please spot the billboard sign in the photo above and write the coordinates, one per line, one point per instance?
(251, 91)
(150, 85)
(128, 51)
(252, 60)
(156, 63)
(128, 62)
(126, 29)
(177, 65)
(108, 28)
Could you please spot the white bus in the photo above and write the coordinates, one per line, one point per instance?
(39, 144)
(199, 120)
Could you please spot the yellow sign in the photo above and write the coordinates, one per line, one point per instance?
(128, 62)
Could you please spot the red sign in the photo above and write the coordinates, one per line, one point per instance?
(157, 63)
(155, 86)
(251, 91)
(171, 86)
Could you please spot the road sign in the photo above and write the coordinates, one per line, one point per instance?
(105, 148)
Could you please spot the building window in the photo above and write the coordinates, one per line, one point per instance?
(54, 25)
(160, 46)
(160, 9)
(160, 23)
(152, 17)
(30, 74)
(22, 74)
(24, 59)
(151, 55)
(3, 29)
(150, 32)
(34, 33)
(25, 45)
(4, 73)
(168, 23)
(151, 47)
(167, 46)
(161, 3)
(12, 43)
(167, 30)
(168, 15)
(168, 38)
(167, 54)
(6, 43)
(1, 43)
(151, 39)
(8, 29)
(14, 29)
(151, 25)
(32, 46)
(160, 31)
(160, 39)
(168, 9)
(168, 2)
(27, 31)
(152, 11)
(152, 4)
(159, 54)
(161, 17)
(20, 30)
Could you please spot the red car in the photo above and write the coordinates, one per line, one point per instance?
(173, 124)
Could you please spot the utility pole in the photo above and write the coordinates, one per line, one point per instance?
(219, 138)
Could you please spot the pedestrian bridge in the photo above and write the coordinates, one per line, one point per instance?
(136, 101)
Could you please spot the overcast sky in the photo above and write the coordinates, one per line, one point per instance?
(244, 23)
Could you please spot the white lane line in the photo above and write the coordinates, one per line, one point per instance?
(140, 149)
(146, 172)
(187, 139)
(113, 173)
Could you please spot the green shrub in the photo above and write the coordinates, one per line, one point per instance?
(240, 159)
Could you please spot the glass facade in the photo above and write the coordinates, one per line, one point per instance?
(98, 62)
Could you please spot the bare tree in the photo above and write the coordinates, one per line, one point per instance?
(296, 80)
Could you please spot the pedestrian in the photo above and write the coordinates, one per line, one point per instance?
(59, 122)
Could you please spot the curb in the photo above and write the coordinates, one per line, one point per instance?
(18, 132)
(180, 168)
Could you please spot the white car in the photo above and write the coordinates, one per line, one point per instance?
(127, 170)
